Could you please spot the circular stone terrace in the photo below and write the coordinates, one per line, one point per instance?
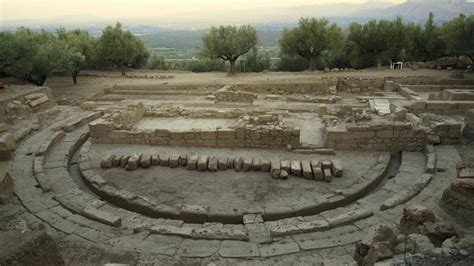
(61, 190)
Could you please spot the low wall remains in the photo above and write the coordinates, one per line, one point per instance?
(391, 136)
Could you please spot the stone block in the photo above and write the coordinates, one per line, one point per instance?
(239, 164)
(296, 168)
(194, 213)
(223, 163)
(266, 166)
(283, 174)
(107, 162)
(192, 162)
(145, 161)
(208, 135)
(155, 159)
(116, 161)
(133, 162)
(247, 165)
(165, 161)
(285, 165)
(317, 170)
(336, 169)
(306, 168)
(230, 163)
(275, 169)
(327, 175)
(174, 161)
(202, 163)
(183, 159)
(124, 161)
(256, 165)
(212, 165)
(225, 134)
(326, 164)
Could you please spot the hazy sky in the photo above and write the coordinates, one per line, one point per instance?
(47, 9)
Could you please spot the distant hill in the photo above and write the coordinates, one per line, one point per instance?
(416, 10)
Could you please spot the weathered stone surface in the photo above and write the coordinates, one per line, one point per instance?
(223, 163)
(192, 162)
(165, 161)
(230, 163)
(194, 213)
(256, 165)
(252, 218)
(336, 168)
(165, 229)
(283, 174)
(116, 161)
(174, 161)
(275, 169)
(212, 165)
(183, 159)
(238, 249)
(266, 166)
(239, 164)
(124, 161)
(279, 248)
(317, 171)
(247, 166)
(285, 165)
(378, 244)
(102, 216)
(133, 162)
(463, 183)
(145, 161)
(155, 159)
(327, 174)
(202, 163)
(415, 215)
(306, 168)
(296, 168)
(199, 248)
(466, 173)
(326, 164)
(107, 162)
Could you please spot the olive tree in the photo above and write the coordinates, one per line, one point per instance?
(83, 50)
(229, 43)
(32, 56)
(121, 48)
(310, 39)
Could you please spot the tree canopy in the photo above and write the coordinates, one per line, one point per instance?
(229, 43)
(83, 51)
(311, 38)
(121, 48)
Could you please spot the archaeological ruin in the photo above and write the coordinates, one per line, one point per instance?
(343, 168)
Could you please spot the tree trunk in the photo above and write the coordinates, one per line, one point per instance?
(74, 76)
(312, 64)
(232, 68)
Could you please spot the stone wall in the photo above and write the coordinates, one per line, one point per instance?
(22, 101)
(233, 93)
(440, 107)
(391, 136)
(248, 136)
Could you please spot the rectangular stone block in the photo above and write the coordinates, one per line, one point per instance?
(202, 163)
(266, 166)
(296, 168)
(257, 165)
(212, 165)
(165, 161)
(326, 164)
(327, 175)
(133, 162)
(247, 165)
(285, 165)
(183, 159)
(145, 161)
(225, 134)
(174, 161)
(306, 167)
(194, 213)
(208, 135)
(275, 169)
(222, 163)
(337, 168)
(192, 162)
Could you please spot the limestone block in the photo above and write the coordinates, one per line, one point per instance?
(107, 162)
(223, 163)
(183, 159)
(208, 135)
(283, 174)
(133, 162)
(296, 168)
(466, 173)
(285, 165)
(275, 169)
(145, 161)
(192, 162)
(165, 161)
(266, 166)
(155, 159)
(327, 175)
(174, 161)
(117, 160)
(202, 163)
(124, 161)
(230, 163)
(326, 164)
(306, 167)
(247, 165)
(225, 134)
(194, 213)
(257, 165)
(212, 165)
(239, 164)
(336, 169)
